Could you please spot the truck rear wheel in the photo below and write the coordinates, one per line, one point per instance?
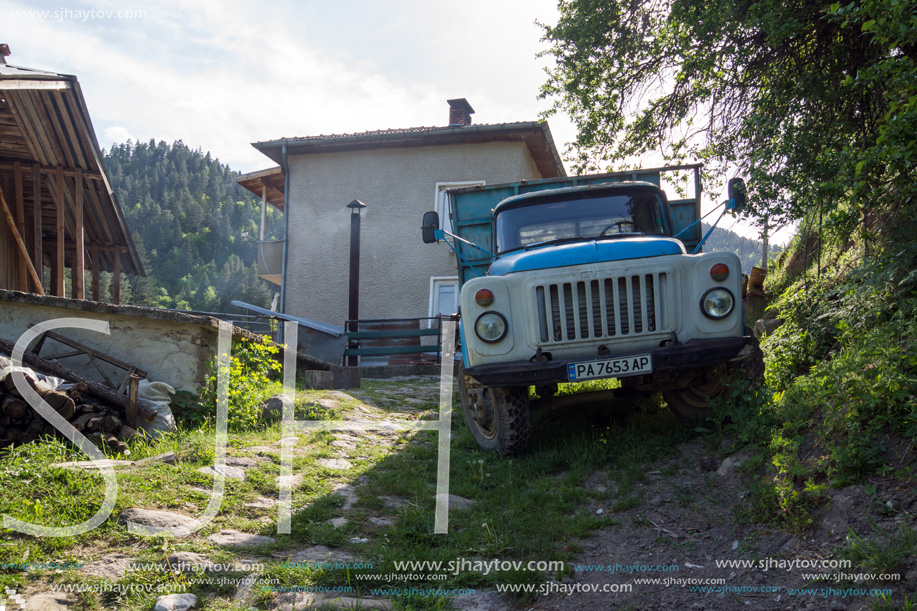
(693, 402)
(499, 418)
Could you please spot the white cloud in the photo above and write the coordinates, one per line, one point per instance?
(115, 134)
(220, 75)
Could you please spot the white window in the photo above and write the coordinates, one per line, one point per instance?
(442, 203)
(444, 295)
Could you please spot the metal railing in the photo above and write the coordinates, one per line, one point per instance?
(382, 337)
(256, 323)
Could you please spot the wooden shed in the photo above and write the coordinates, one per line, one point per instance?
(58, 208)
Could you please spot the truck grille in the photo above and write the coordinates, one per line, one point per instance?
(611, 307)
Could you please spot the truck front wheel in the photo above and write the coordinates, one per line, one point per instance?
(499, 418)
(693, 402)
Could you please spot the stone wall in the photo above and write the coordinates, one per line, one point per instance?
(170, 346)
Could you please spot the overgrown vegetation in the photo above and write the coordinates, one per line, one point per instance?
(815, 104)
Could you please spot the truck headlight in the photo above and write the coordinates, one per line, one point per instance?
(717, 303)
(491, 327)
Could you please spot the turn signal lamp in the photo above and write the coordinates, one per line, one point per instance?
(719, 272)
(484, 297)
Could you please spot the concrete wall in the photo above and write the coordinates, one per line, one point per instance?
(397, 186)
(171, 347)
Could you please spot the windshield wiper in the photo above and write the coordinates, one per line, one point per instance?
(557, 241)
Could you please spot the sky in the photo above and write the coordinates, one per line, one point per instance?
(219, 75)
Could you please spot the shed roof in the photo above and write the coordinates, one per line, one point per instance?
(44, 123)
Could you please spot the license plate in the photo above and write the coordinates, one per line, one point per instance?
(610, 368)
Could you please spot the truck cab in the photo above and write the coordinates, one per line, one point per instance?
(585, 282)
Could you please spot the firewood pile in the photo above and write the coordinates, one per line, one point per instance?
(20, 423)
(91, 408)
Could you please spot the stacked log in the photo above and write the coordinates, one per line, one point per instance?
(21, 423)
(90, 407)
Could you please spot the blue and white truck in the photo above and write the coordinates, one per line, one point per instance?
(584, 278)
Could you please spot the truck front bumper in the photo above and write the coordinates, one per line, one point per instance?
(695, 354)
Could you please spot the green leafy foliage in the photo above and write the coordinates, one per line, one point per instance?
(815, 104)
(252, 369)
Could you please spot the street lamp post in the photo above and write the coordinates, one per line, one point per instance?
(353, 313)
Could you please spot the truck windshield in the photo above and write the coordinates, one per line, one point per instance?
(587, 217)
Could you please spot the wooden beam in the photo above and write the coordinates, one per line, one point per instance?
(19, 242)
(59, 262)
(261, 228)
(116, 281)
(79, 262)
(7, 163)
(20, 224)
(37, 259)
(95, 254)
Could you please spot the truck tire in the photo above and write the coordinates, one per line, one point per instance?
(693, 402)
(498, 418)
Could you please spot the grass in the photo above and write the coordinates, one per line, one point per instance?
(513, 499)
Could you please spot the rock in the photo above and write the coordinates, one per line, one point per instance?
(381, 521)
(246, 589)
(187, 562)
(272, 408)
(296, 601)
(358, 540)
(766, 326)
(320, 554)
(790, 545)
(328, 402)
(347, 491)
(262, 502)
(235, 538)
(485, 601)
(154, 518)
(92, 465)
(835, 520)
(319, 380)
(335, 463)
(341, 443)
(168, 458)
(458, 502)
(175, 602)
(708, 463)
(241, 461)
(288, 440)
(294, 481)
(111, 566)
(393, 502)
(57, 601)
(727, 466)
(337, 522)
(228, 472)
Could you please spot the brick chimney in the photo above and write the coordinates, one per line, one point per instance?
(4, 51)
(460, 112)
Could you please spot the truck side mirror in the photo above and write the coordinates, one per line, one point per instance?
(430, 226)
(737, 196)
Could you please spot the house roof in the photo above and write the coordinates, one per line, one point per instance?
(535, 134)
(45, 124)
(272, 178)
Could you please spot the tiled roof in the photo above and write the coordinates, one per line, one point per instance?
(395, 131)
(535, 134)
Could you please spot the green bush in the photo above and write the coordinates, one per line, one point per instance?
(253, 369)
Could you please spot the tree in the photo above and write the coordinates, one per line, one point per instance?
(815, 104)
